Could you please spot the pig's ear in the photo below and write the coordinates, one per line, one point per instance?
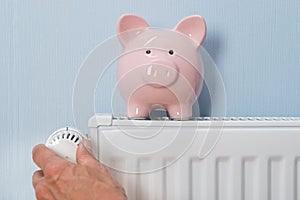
(128, 23)
(194, 27)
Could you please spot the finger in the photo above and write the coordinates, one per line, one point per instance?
(41, 155)
(95, 168)
(83, 153)
(42, 192)
(88, 145)
(37, 177)
(85, 157)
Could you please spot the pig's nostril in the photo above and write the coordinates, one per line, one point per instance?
(168, 74)
(149, 70)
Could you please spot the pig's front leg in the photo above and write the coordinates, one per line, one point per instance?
(180, 111)
(137, 110)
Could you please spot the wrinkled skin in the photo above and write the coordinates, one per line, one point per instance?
(60, 179)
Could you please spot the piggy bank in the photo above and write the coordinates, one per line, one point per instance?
(160, 67)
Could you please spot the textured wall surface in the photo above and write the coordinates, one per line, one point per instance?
(255, 44)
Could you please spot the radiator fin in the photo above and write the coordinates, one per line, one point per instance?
(223, 180)
(198, 178)
(297, 178)
(276, 183)
(249, 178)
(145, 183)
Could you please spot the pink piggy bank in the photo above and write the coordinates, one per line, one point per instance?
(160, 67)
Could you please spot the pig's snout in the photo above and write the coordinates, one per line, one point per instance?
(160, 74)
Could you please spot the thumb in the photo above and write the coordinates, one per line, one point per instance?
(85, 157)
(84, 154)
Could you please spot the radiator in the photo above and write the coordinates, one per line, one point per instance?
(203, 158)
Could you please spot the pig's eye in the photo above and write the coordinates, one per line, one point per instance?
(148, 51)
(171, 52)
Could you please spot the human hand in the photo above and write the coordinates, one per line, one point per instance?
(60, 179)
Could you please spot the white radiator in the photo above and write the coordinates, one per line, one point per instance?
(205, 158)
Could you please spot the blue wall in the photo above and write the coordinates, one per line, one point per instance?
(255, 44)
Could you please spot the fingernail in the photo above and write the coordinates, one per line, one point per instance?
(88, 145)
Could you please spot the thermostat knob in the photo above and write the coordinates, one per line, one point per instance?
(64, 142)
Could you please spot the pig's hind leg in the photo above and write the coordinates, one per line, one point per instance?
(180, 111)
